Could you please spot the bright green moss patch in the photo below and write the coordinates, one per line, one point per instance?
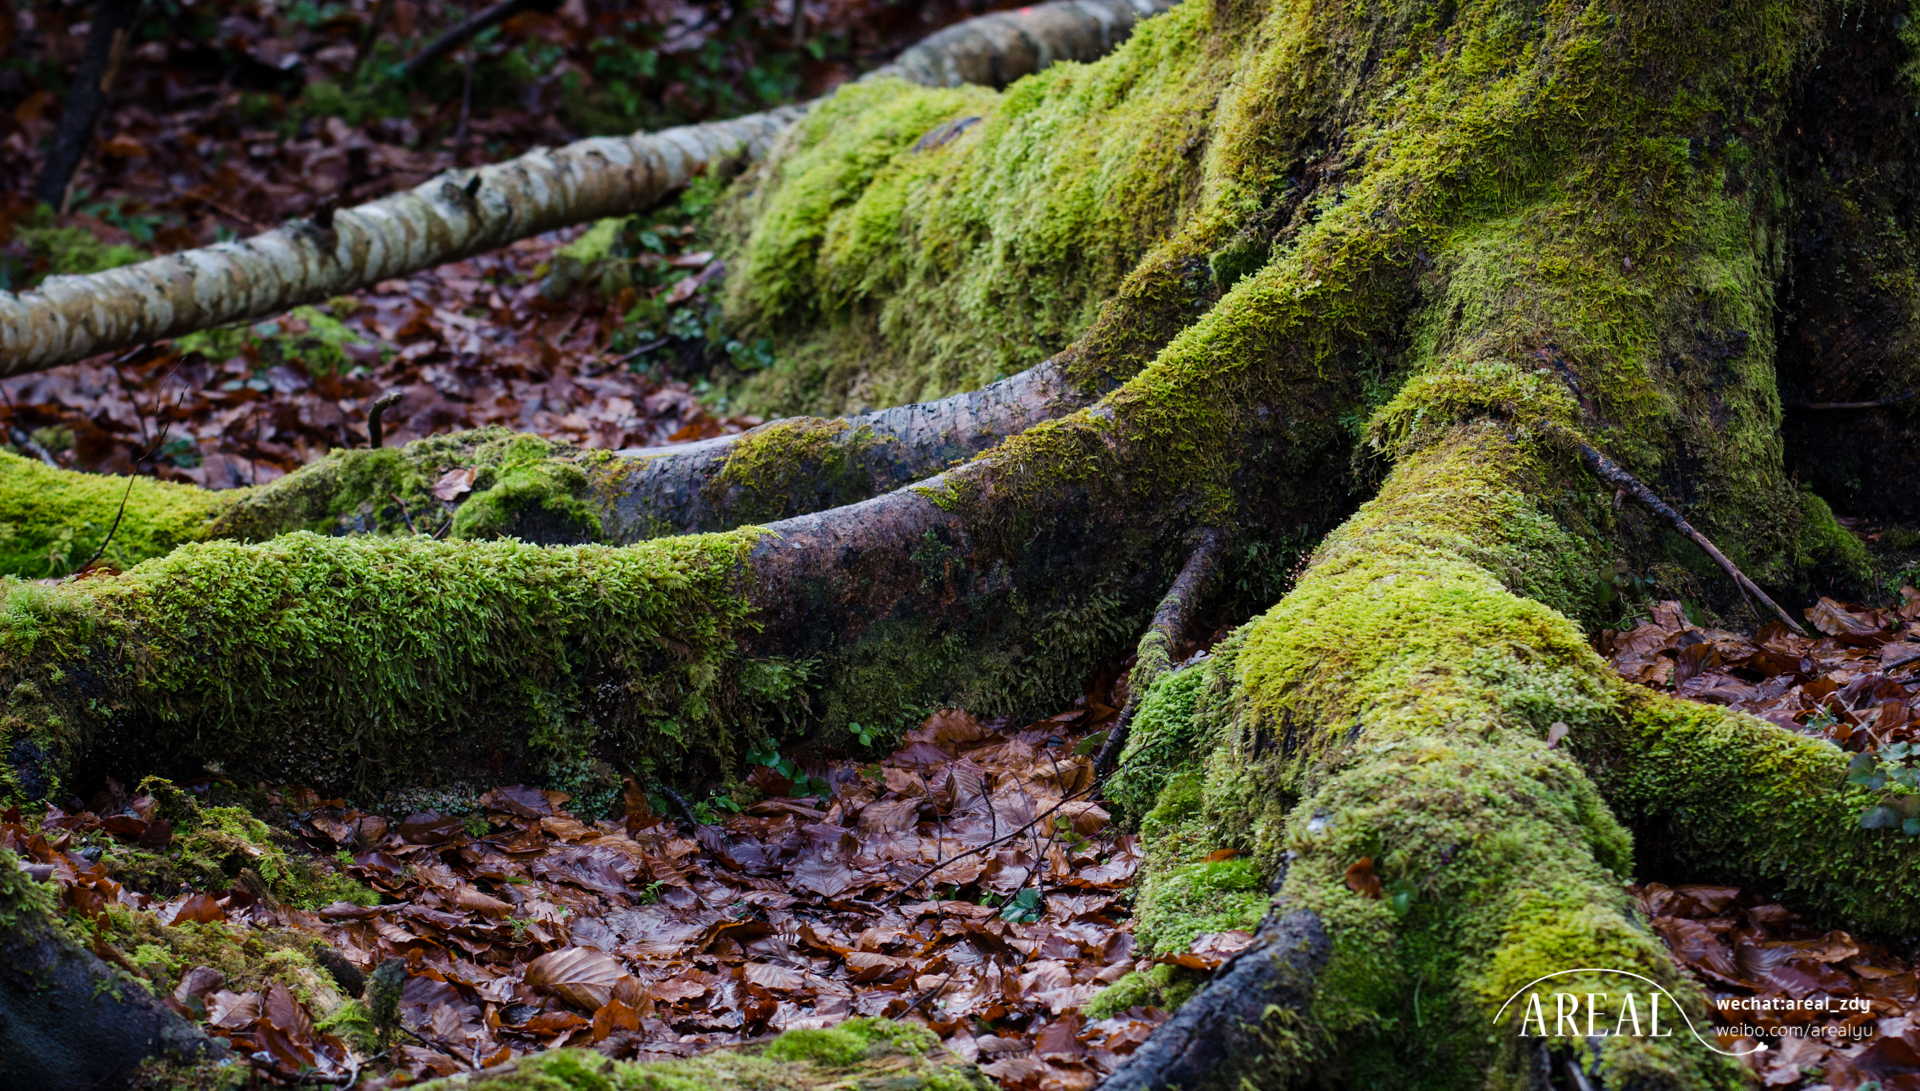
(360, 662)
(862, 1053)
(523, 486)
(916, 242)
(52, 520)
(308, 336)
(1180, 905)
(1163, 986)
(1160, 742)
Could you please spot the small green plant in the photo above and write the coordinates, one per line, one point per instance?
(1892, 770)
(651, 895)
(1026, 907)
(803, 785)
(863, 734)
(477, 826)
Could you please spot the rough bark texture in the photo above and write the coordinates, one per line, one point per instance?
(464, 213)
(67, 1020)
(1396, 255)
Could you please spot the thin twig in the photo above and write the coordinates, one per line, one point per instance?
(990, 844)
(166, 426)
(1613, 474)
(404, 513)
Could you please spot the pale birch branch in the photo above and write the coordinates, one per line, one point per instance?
(462, 213)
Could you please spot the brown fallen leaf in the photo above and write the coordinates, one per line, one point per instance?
(581, 976)
(1362, 881)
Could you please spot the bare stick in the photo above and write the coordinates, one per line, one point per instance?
(106, 42)
(1613, 474)
(455, 38)
(1169, 624)
(679, 804)
(404, 513)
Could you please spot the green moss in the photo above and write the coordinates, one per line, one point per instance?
(1160, 742)
(523, 486)
(215, 847)
(1400, 695)
(791, 467)
(532, 496)
(67, 251)
(915, 242)
(319, 349)
(250, 958)
(1163, 986)
(52, 520)
(1192, 900)
(366, 661)
(859, 1053)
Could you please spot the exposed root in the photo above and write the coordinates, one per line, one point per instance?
(1170, 622)
(1233, 1027)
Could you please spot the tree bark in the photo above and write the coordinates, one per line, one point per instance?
(464, 213)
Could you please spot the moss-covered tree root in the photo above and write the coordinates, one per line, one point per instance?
(524, 487)
(1380, 740)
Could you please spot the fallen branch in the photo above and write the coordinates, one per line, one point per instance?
(111, 26)
(456, 37)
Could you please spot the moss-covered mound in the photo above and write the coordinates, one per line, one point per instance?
(857, 1054)
(352, 663)
(52, 521)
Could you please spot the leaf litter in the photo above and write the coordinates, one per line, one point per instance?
(965, 882)
(1838, 1011)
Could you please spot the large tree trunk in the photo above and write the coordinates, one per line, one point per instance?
(1401, 254)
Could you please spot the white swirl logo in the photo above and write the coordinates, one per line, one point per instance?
(1572, 1010)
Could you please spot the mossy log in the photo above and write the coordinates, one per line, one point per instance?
(1341, 276)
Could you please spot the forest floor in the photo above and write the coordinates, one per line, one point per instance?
(967, 881)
